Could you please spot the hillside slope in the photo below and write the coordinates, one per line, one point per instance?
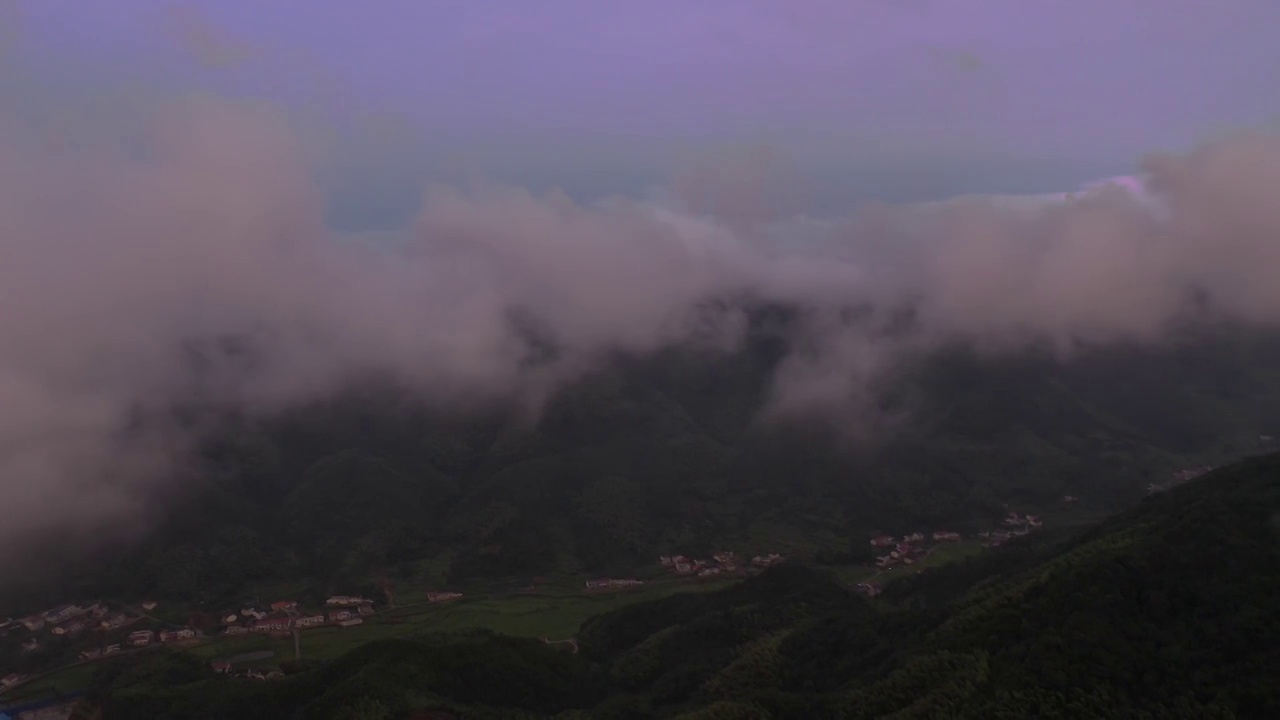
(1166, 610)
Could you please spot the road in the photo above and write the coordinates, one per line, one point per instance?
(32, 678)
(571, 641)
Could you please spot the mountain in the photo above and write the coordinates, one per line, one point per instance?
(667, 454)
(1166, 610)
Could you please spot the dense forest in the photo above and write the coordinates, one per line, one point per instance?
(1166, 610)
(667, 454)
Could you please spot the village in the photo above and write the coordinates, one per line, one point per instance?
(103, 629)
(110, 630)
(911, 549)
(722, 564)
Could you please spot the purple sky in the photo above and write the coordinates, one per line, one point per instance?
(895, 98)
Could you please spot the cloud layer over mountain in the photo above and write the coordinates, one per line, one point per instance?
(116, 261)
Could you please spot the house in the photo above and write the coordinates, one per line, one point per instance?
(284, 605)
(344, 600)
(366, 609)
(882, 541)
(254, 613)
(235, 630)
(914, 537)
(682, 565)
(666, 561)
(271, 623)
(724, 557)
(442, 596)
(168, 635)
(33, 623)
(1034, 521)
(90, 654)
(220, 666)
(30, 645)
(766, 560)
(869, 589)
(1013, 519)
(946, 536)
(309, 621)
(708, 572)
(111, 649)
(98, 610)
(339, 615)
(62, 613)
(352, 622)
(885, 561)
(10, 679)
(70, 628)
(139, 638)
(1068, 498)
(150, 605)
(230, 619)
(185, 633)
(598, 584)
(113, 622)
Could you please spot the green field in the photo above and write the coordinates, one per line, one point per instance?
(553, 615)
(65, 681)
(950, 552)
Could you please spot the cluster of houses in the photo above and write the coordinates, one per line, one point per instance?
(344, 611)
(143, 638)
(71, 620)
(909, 549)
(1180, 477)
(723, 562)
(68, 619)
(94, 653)
(1016, 524)
(436, 596)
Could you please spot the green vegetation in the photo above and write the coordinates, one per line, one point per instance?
(1166, 610)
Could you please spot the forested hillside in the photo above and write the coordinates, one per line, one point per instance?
(1164, 611)
(668, 454)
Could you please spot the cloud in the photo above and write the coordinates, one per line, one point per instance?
(208, 42)
(958, 60)
(11, 20)
(195, 263)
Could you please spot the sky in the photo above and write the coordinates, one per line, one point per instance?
(888, 99)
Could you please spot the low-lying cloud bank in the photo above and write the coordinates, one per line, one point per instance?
(113, 262)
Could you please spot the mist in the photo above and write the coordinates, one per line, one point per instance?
(116, 260)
